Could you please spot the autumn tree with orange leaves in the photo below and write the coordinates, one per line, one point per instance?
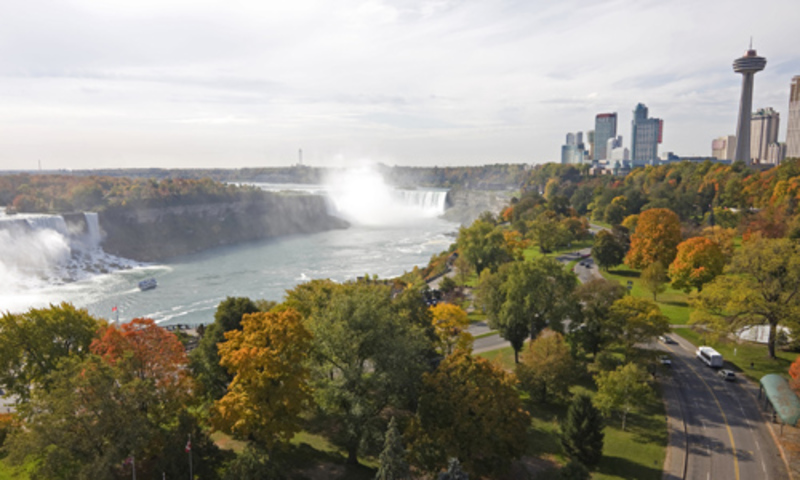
(270, 385)
(657, 235)
(699, 260)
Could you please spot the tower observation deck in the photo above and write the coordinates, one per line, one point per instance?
(748, 66)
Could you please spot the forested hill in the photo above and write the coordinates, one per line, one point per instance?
(738, 196)
(486, 177)
(26, 193)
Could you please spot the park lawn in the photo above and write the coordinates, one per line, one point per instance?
(476, 316)
(504, 356)
(740, 355)
(673, 303)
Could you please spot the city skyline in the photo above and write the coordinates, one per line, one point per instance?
(180, 84)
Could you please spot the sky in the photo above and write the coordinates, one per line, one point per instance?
(194, 83)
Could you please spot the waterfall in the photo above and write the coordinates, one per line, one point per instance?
(52, 249)
(92, 229)
(428, 200)
(48, 222)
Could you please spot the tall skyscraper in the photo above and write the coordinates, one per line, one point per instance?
(646, 134)
(748, 66)
(605, 127)
(763, 133)
(793, 127)
(724, 148)
(573, 151)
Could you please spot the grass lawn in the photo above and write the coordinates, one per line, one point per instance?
(740, 355)
(504, 356)
(476, 316)
(639, 451)
(674, 303)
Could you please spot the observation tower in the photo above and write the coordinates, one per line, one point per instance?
(748, 66)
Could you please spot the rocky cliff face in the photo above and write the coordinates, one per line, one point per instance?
(153, 234)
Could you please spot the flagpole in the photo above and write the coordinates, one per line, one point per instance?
(191, 474)
(133, 462)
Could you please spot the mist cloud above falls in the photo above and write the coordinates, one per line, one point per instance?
(361, 196)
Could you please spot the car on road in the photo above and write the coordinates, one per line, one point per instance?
(668, 340)
(727, 375)
(665, 360)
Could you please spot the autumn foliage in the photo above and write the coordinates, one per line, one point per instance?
(469, 409)
(270, 384)
(152, 352)
(657, 235)
(699, 260)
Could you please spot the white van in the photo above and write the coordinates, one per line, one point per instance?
(710, 357)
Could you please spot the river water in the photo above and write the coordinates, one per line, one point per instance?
(386, 238)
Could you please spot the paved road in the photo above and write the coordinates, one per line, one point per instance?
(725, 432)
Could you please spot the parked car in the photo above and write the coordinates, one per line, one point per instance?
(665, 360)
(727, 375)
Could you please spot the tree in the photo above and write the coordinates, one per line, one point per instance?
(449, 322)
(454, 471)
(607, 251)
(591, 328)
(469, 409)
(760, 286)
(366, 358)
(463, 269)
(699, 260)
(393, 465)
(582, 432)
(639, 321)
(270, 386)
(574, 470)
(657, 235)
(547, 367)
(212, 377)
(549, 232)
(624, 390)
(97, 413)
(483, 245)
(654, 279)
(616, 210)
(528, 297)
(33, 343)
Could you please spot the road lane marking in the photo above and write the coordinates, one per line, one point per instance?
(724, 417)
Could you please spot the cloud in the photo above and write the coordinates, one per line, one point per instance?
(176, 83)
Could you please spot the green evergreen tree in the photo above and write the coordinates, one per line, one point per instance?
(454, 471)
(582, 432)
(392, 459)
(574, 470)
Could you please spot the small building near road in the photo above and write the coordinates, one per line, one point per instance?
(776, 395)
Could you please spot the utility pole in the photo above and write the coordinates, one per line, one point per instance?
(189, 451)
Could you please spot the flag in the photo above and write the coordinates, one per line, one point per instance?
(189, 446)
(114, 308)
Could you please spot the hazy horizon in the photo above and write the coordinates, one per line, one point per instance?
(178, 84)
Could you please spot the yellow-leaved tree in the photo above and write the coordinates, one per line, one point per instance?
(449, 323)
(270, 384)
